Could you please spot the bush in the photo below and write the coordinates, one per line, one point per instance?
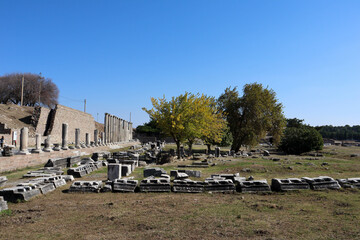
(297, 140)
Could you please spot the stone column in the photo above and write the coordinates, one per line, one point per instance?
(77, 138)
(47, 144)
(38, 144)
(96, 137)
(24, 138)
(64, 136)
(102, 138)
(105, 129)
(87, 140)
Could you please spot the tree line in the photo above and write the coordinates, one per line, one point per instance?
(340, 132)
(37, 90)
(236, 119)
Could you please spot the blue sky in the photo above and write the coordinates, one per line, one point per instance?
(119, 54)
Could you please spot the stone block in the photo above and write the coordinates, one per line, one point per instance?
(156, 172)
(125, 170)
(254, 186)
(77, 172)
(289, 184)
(217, 185)
(42, 186)
(3, 204)
(155, 185)
(322, 182)
(124, 185)
(85, 186)
(67, 178)
(114, 171)
(349, 182)
(21, 193)
(3, 180)
(188, 186)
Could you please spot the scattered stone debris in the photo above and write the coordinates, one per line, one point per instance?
(3, 180)
(3, 204)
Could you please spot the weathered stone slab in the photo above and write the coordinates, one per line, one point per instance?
(114, 171)
(3, 180)
(155, 185)
(42, 186)
(156, 172)
(67, 178)
(254, 186)
(3, 204)
(57, 162)
(349, 182)
(73, 160)
(188, 186)
(322, 182)
(77, 172)
(124, 185)
(100, 155)
(215, 185)
(289, 184)
(190, 173)
(16, 194)
(125, 170)
(58, 181)
(85, 186)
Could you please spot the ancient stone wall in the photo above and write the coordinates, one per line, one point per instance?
(42, 120)
(75, 119)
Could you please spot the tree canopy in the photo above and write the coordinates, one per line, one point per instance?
(188, 117)
(253, 115)
(299, 138)
(35, 86)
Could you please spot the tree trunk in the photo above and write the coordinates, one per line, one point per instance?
(209, 148)
(190, 143)
(178, 149)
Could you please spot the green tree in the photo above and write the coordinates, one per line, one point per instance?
(300, 138)
(253, 115)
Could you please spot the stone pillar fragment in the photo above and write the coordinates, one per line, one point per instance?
(47, 143)
(102, 138)
(96, 141)
(64, 140)
(87, 140)
(38, 143)
(77, 138)
(106, 127)
(24, 138)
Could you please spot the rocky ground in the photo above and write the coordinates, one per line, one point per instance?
(308, 214)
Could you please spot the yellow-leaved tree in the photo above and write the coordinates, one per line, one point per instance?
(187, 117)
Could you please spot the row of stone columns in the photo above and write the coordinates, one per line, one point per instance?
(117, 129)
(24, 138)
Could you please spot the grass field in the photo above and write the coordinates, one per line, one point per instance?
(333, 214)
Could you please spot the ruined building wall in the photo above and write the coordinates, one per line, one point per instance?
(50, 123)
(76, 119)
(42, 120)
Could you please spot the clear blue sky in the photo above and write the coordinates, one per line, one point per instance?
(119, 54)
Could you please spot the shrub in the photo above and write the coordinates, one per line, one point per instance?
(297, 140)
